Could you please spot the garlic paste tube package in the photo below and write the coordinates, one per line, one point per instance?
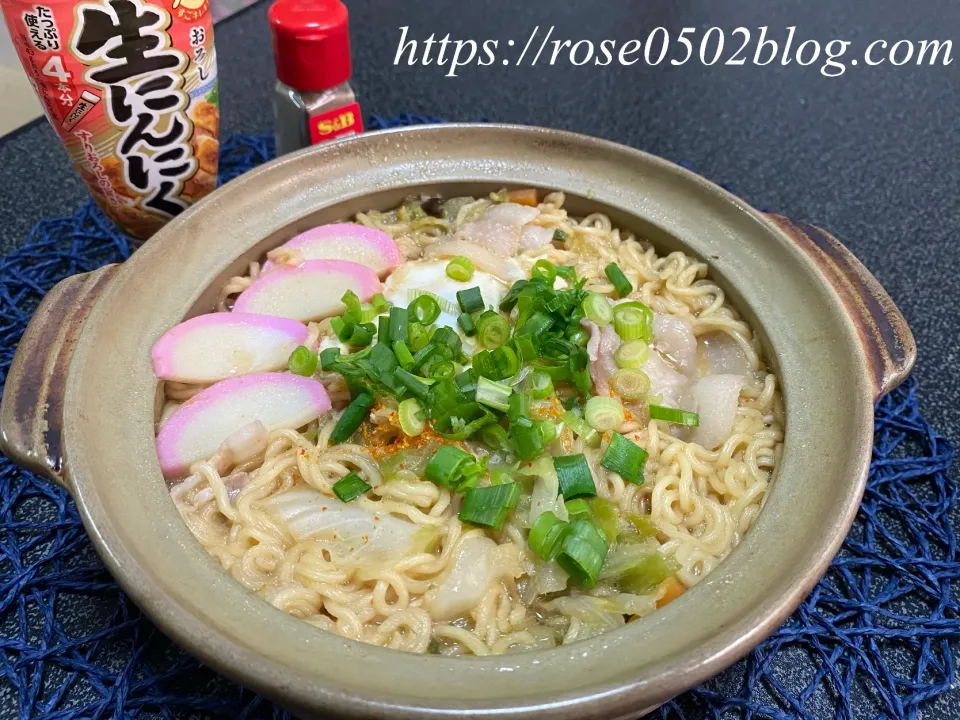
(131, 88)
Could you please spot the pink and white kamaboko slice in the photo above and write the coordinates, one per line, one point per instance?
(196, 430)
(308, 291)
(217, 346)
(346, 241)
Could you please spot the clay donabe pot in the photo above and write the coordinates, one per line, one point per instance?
(80, 405)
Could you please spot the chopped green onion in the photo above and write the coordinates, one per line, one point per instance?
(567, 272)
(630, 322)
(620, 283)
(399, 327)
(447, 337)
(598, 309)
(367, 312)
(541, 386)
(546, 535)
(579, 364)
(484, 366)
(465, 323)
(471, 300)
(419, 336)
(489, 506)
(362, 335)
(674, 415)
(383, 329)
(379, 303)
(404, 356)
(446, 466)
(412, 420)
(381, 360)
(579, 337)
(519, 407)
(604, 414)
(626, 458)
(460, 269)
(351, 303)
(492, 330)
(350, 487)
(425, 309)
(630, 384)
(470, 475)
(526, 348)
(342, 328)
(578, 508)
(445, 305)
(467, 385)
(476, 467)
(647, 321)
(536, 324)
(605, 516)
(446, 402)
(495, 437)
(352, 417)
(378, 368)
(425, 369)
(632, 354)
(648, 573)
(506, 362)
(493, 394)
(498, 364)
(460, 429)
(544, 270)
(547, 431)
(513, 295)
(393, 385)
(358, 355)
(414, 384)
(526, 439)
(356, 383)
(559, 236)
(590, 437)
(328, 357)
(582, 554)
(575, 477)
(557, 348)
(303, 361)
(427, 352)
(442, 370)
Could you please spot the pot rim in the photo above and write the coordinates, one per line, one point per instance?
(180, 611)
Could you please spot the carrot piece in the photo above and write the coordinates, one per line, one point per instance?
(672, 589)
(527, 196)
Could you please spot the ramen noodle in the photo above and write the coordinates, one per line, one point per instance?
(131, 89)
(469, 426)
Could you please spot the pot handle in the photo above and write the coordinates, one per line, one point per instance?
(887, 341)
(31, 412)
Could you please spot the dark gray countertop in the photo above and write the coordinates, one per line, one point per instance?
(871, 156)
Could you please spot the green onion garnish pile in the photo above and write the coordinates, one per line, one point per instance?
(527, 347)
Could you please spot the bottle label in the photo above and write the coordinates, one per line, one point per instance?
(131, 88)
(339, 122)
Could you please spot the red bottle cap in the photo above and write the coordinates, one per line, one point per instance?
(311, 43)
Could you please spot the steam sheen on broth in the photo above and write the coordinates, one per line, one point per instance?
(577, 432)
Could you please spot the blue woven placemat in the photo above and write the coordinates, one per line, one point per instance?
(872, 640)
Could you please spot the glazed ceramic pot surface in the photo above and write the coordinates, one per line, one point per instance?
(80, 403)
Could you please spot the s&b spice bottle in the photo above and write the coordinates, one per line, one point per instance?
(314, 101)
